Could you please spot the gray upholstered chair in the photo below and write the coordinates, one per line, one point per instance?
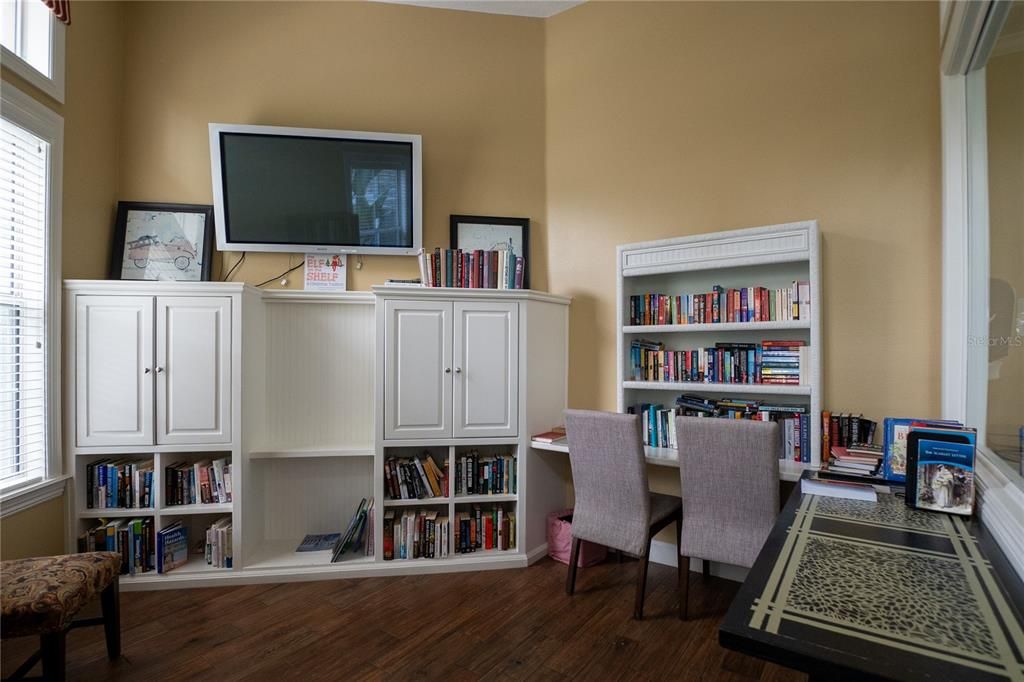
(729, 474)
(614, 506)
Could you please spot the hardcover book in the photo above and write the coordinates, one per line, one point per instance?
(894, 466)
(940, 469)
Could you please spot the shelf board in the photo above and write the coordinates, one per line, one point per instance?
(115, 513)
(196, 564)
(183, 509)
(774, 325)
(426, 501)
(480, 553)
(700, 387)
(282, 554)
(465, 499)
(311, 452)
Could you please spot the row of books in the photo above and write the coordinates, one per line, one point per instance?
(659, 428)
(415, 478)
(218, 547)
(133, 539)
(843, 430)
(203, 482)
(481, 529)
(415, 534)
(477, 474)
(768, 362)
(746, 304)
(500, 269)
(119, 484)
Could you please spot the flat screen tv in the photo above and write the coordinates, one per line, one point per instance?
(303, 190)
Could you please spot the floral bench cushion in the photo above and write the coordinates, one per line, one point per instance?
(44, 594)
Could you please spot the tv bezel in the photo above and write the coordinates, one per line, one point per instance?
(217, 129)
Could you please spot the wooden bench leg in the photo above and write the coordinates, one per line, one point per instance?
(110, 602)
(574, 557)
(641, 581)
(683, 568)
(51, 646)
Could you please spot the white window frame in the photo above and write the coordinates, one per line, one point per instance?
(967, 42)
(52, 85)
(25, 111)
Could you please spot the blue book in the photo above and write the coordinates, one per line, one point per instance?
(940, 469)
(894, 445)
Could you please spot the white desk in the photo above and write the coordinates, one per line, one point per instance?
(668, 457)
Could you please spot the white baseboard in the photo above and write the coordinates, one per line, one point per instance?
(665, 553)
(536, 554)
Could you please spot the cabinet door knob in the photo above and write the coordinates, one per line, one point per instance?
(447, 370)
(458, 370)
(146, 371)
(159, 370)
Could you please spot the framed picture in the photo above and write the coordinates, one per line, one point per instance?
(162, 242)
(488, 233)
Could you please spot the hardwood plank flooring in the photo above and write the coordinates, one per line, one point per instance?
(491, 625)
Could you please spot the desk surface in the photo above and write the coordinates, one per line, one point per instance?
(864, 589)
(669, 457)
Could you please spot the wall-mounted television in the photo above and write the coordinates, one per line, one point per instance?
(304, 190)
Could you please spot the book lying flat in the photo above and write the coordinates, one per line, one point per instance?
(318, 543)
(843, 489)
(555, 434)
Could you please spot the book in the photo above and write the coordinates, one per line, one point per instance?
(841, 489)
(895, 444)
(557, 433)
(415, 478)
(172, 547)
(318, 542)
(416, 534)
(940, 468)
(478, 474)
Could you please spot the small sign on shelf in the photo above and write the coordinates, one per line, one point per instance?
(326, 272)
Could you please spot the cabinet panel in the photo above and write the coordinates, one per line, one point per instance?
(193, 369)
(486, 358)
(113, 370)
(417, 371)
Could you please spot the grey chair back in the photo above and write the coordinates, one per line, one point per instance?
(729, 473)
(609, 474)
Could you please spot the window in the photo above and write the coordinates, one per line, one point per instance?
(31, 137)
(33, 44)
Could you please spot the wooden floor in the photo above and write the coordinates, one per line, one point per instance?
(511, 624)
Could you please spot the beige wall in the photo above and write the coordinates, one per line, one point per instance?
(91, 137)
(1004, 87)
(471, 84)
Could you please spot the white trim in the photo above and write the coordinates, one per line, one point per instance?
(664, 553)
(53, 85)
(20, 499)
(42, 121)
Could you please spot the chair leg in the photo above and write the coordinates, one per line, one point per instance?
(641, 581)
(110, 603)
(574, 557)
(706, 569)
(683, 568)
(51, 646)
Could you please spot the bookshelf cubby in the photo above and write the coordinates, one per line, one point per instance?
(773, 257)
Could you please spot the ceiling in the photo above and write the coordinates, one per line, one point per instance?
(520, 8)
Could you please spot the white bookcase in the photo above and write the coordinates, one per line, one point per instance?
(772, 256)
(291, 386)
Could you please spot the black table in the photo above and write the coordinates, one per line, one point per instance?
(846, 589)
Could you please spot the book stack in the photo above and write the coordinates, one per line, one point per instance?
(133, 539)
(118, 484)
(481, 529)
(358, 536)
(203, 482)
(555, 435)
(501, 269)
(659, 428)
(855, 460)
(769, 362)
(416, 534)
(171, 547)
(217, 548)
(415, 478)
(485, 475)
(746, 304)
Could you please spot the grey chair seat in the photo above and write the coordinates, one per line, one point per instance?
(663, 506)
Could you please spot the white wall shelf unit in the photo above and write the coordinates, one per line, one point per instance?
(306, 436)
(772, 256)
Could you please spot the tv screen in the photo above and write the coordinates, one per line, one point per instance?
(315, 191)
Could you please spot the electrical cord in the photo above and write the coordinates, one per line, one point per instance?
(289, 270)
(234, 267)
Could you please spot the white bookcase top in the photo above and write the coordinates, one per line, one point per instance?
(468, 294)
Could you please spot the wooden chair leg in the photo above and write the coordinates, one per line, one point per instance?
(706, 569)
(574, 556)
(110, 602)
(641, 581)
(51, 647)
(618, 553)
(683, 569)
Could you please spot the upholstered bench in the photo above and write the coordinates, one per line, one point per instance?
(41, 596)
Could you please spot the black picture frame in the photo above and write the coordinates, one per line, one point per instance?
(522, 223)
(178, 259)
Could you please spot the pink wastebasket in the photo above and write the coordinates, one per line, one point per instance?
(560, 541)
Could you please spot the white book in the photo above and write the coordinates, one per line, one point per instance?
(841, 489)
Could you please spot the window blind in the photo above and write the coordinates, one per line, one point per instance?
(23, 220)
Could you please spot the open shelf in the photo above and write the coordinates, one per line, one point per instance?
(281, 554)
(212, 508)
(425, 502)
(700, 387)
(115, 513)
(773, 325)
(463, 499)
(311, 452)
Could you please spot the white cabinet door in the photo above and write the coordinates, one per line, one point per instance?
(417, 369)
(486, 357)
(193, 369)
(114, 370)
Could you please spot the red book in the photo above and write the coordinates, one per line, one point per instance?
(488, 533)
